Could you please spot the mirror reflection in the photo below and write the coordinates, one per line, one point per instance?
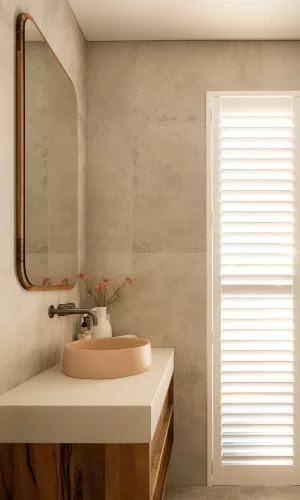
(51, 157)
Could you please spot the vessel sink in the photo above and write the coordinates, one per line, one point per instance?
(106, 358)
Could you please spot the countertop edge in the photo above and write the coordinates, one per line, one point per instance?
(160, 395)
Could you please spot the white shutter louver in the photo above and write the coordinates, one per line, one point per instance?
(256, 272)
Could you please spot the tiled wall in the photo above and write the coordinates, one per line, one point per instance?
(146, 195)
(29, 341)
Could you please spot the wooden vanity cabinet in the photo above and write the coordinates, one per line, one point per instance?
(139, 471)
(90, 471)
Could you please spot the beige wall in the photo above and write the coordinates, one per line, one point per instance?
(29, 341)
(146, 195)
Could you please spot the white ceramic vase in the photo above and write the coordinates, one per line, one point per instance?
(103, 329)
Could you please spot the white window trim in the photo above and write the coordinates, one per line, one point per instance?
(209, 256)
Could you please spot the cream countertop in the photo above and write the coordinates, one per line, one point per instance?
(54, 408)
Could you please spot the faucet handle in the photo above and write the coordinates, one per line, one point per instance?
(60, 308)
(69, 305)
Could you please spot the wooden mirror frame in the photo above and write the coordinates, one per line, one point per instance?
(20, 151)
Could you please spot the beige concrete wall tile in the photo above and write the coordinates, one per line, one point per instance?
(182, 71)
(169, 67)
(169, 187)
(229, 66)
(169, 308)
(277, 67)
(111, 265)
(165, 81)
(109, 218)
(143, 67)
(109, 144)
(188, 461)
(107, 100)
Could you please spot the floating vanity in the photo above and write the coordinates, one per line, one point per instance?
(64, 437)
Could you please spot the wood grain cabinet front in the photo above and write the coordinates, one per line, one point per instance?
(90, 471)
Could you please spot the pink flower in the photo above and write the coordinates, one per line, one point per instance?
(128, 280)
(105, 280)
(101, 286)
(82, 276)
(47, 281)
(64, 281)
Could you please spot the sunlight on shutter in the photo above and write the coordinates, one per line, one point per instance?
(257, 271)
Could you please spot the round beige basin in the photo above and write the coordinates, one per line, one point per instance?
(106, 358)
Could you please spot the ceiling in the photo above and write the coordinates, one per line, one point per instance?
(188, 19)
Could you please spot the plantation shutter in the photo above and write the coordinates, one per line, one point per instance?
(253, 251)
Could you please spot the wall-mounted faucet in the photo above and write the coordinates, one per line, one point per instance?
(68, 309)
